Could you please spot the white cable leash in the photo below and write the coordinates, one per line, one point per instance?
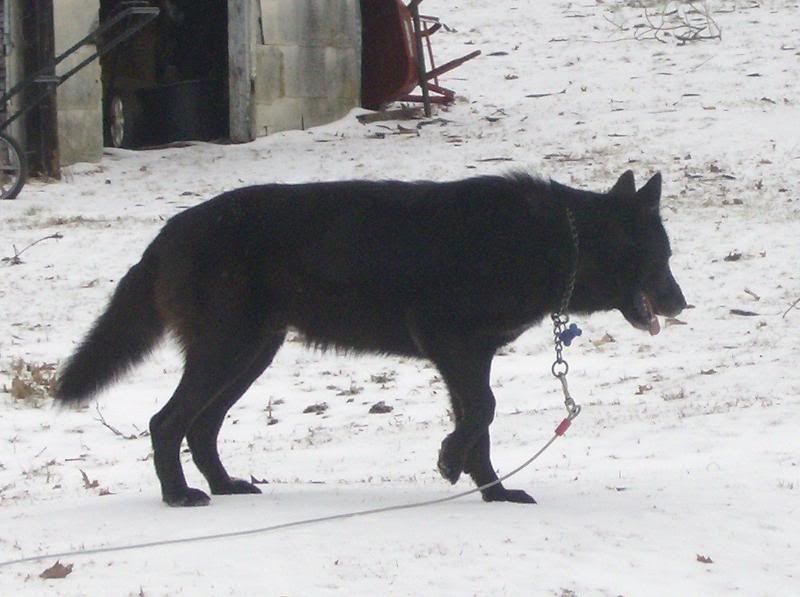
(572, 411)
(284, 525)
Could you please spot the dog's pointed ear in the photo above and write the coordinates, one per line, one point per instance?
(649, 196)
(625, 186)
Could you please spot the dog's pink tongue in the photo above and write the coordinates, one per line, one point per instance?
(655, 327)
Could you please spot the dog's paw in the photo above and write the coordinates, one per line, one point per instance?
(449, 472)
(498, 493)
(187, 498)
(451, 460)
(235, 486)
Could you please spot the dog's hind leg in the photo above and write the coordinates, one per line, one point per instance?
(167, 430)
(214, 365)
(204, 429)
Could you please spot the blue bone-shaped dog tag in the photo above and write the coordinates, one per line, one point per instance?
(569, 334)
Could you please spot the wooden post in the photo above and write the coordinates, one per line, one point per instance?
(43, 123)
(241, 80)
(421, 73)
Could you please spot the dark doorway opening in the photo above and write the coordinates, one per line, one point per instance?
(169, 82)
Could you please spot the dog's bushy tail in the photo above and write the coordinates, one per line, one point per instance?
(120, 338)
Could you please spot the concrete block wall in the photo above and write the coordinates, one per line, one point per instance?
(79, 99)
(308, 66)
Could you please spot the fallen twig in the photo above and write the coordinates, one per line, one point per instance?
(792, 306)
(15, 260)
(101, 419)
(753, 294)
(497, 159)
(538, 95)
(684, 21)
(402, 113)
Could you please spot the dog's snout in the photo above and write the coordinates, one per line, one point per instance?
(669, 299)
(673, 303)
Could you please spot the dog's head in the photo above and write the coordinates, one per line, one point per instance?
(628, 266)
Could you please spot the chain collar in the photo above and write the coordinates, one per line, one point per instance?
(563, 333)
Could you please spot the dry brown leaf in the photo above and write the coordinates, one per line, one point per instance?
(57, 570)
(20, 389)
(380, 408)
(316, 409)
(606, 339)
(88, 483)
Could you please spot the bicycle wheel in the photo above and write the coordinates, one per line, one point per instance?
(123, 120)
(13, 167)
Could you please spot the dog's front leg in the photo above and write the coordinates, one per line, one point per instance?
(465, 363)
(473, 415)
(465, 370)
(479, 467)
(468, 448)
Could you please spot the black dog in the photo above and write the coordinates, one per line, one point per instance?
(448, 272)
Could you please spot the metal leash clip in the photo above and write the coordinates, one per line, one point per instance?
(563, 335)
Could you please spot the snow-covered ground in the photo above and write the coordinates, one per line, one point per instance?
(680, 477)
